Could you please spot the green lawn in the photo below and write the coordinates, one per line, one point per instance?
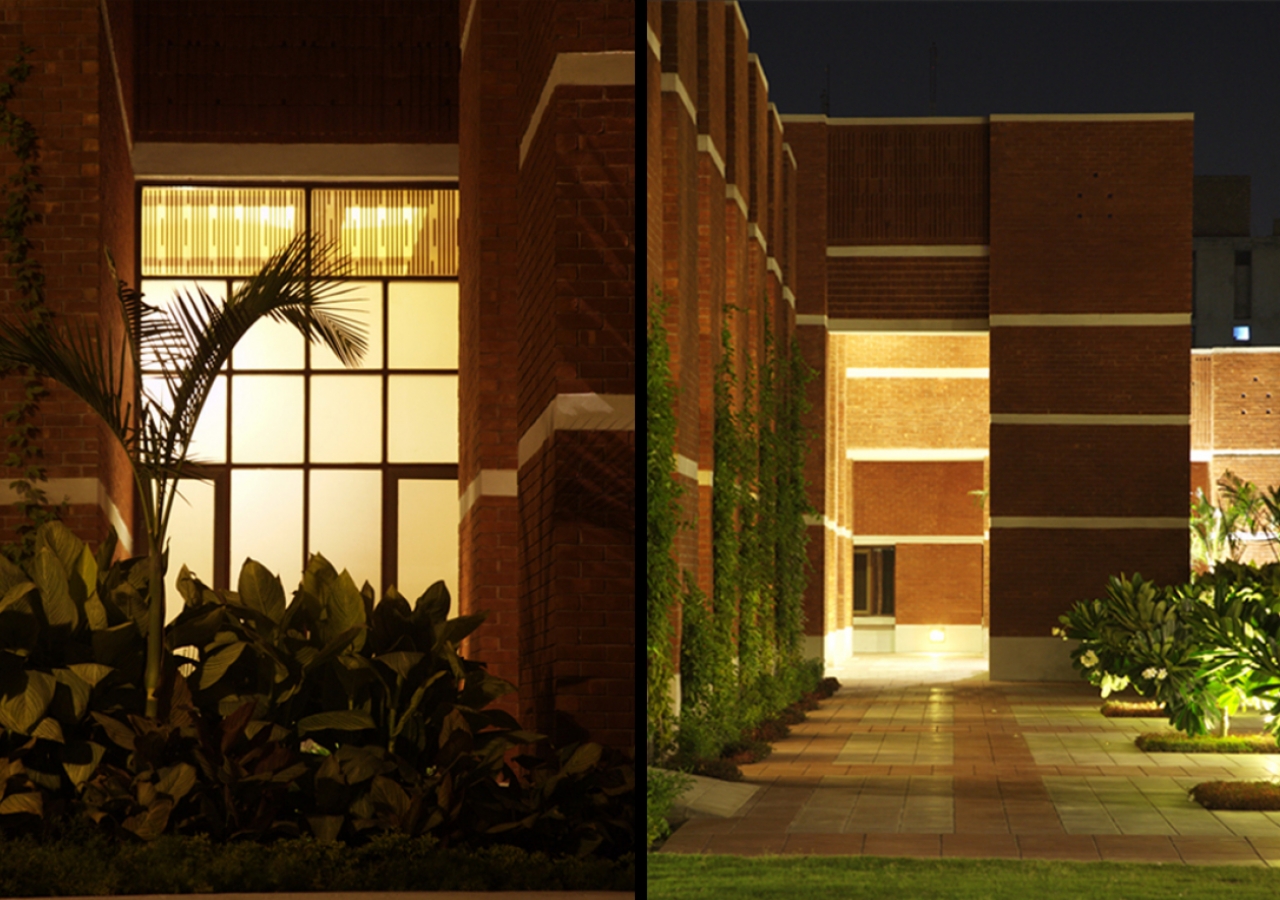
(679, 876)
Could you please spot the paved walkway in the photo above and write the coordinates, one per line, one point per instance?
(921, 755)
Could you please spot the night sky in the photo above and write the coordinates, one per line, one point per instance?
(1219, 60)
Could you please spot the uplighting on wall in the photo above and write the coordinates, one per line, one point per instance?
(937, 636)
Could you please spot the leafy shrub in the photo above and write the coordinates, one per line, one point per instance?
(1121, 709)
(663, 787)
(1181, 743)
(1259, 795)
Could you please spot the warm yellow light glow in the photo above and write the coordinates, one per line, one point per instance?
(937, 635)
(205, 231)
(422, 240)
(427, 549)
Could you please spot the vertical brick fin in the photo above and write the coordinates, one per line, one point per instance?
(908, 184)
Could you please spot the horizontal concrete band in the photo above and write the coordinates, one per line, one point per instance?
(671, 84)
(979, 120)
(708, 146)
(1085, 419)
(916, 454)
(1090, 320)
(870, 540)
(1210, 454)
(609, 67)
(917, 373)
(310, 162)
(79, 492)
(829, 524)
(686, 467)
(654, 44)
(905, 120)
(754, 60)
(731, 192)
(578, 412)
(911, 250)
(907, 326)
(1088, 523)
(488, 483)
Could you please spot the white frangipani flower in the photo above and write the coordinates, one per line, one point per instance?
(1088, 659)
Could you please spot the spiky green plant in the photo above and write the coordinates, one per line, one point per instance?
(187, 341)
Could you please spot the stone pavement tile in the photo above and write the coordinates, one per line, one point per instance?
(1268, 848)
(1207, 851)
(1247, 823)
(923, 845)
(745, 844)
(1079, 847)
(683, 841)
(767, 824)
(1137, 848)
(825, 844)
(980, 846)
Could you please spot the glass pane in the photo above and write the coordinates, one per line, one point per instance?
(163, 292)
(427, 549)
(346, 522)
(361, 302)
(269, 345)
(390, 232)
(190, 541)
(266, 418)
(423, 329)
(346, 418)
(209, 443)
(266, 522)
(422, 421)
(216, 231)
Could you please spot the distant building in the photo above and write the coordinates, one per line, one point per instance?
(1236, 277)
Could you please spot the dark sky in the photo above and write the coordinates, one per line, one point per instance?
(1219, 60)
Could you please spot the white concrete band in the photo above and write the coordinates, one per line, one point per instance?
(811, 319)
(1235, 452)
(905, 120)
(654, 44)
(814, 521)
(1207, 455)
(578, 412)
(112, 512)
(771, 265)
(908, 326)
(1091, 320)
(1089, 523)
(671, 83)
(1095, 117)
(58, 490)
(786, 148)
(686, 467)
(706, 478)
(607, 68)
(777, 118)
(731, 192)
(753, 231)
(488, 483)
(917, 373)
(311, 162)
(708, 146)
(880, 540)
(910, 250)
(466, 28)
(1085, 419)
(916, 454)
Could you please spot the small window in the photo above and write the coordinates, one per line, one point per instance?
(1241, 334)
(873, 581)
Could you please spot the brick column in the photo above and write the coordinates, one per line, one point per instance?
(1090, 258)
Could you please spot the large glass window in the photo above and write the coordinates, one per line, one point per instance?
(303, 454)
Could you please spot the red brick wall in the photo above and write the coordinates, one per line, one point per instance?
(908, 184)
(61, 99)
(938, 584)
(488, 385)
(927, 498)
(878, 287)
(298, 70)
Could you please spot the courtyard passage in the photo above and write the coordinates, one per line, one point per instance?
(921, 755)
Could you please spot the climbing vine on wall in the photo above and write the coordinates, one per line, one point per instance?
(663, 522)
(24, 454)
(792, 507)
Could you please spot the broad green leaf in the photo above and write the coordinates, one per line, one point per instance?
(50, 575)
(96, 613)
(359, 763)
(49, 730)
(111, 645)
(16, 593)
(454, 630)
(10, 574)
(434, 603)
(91, 672)
(216, 666)
(325, 828)
(583, 758)
(32, 803)
(386, 792)
(80, 760)
(339, 720)
(119, 732)
(340, 642)
(60, 541)
(401, 661)
(150, 825)
(177, 780)
(75, 693)
(261, 591)
(344, 609)
(22, 711)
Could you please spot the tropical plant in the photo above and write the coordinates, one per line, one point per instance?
(187, 341)
(1218, 531)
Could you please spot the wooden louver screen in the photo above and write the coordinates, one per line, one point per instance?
(216, 231)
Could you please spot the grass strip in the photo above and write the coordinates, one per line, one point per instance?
(1173, 742)
(687, 877)
(93, 865)
(1261, 795)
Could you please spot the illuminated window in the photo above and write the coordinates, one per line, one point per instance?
(306, 455)
(1240, 333)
